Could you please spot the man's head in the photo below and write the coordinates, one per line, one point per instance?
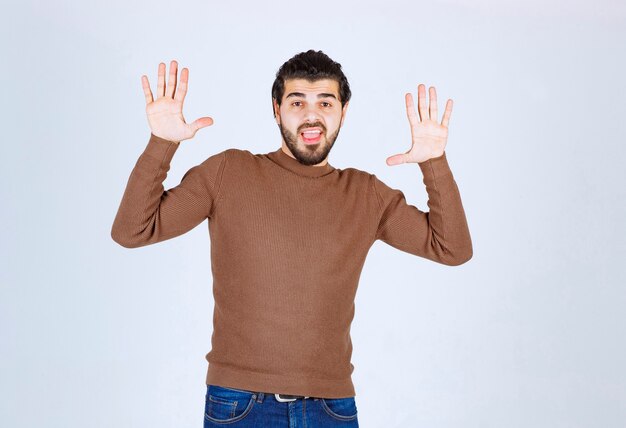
(310, 93)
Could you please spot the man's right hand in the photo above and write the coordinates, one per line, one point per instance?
(165, 115)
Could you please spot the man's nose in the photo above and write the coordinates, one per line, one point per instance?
(312, 113)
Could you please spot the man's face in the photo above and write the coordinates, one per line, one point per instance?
(308, 107)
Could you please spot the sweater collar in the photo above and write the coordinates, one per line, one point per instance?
(287, 162)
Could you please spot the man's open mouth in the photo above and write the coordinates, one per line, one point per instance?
(311, 136)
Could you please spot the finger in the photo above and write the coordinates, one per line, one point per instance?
(171, 82)
(410, 109)
(397, 159)
(447, 113)
(201, 123)
(182, 86)
(421, 101)
(161, 80)
(146, 89)
(433, 103)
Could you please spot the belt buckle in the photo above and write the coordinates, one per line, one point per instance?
(284, 398)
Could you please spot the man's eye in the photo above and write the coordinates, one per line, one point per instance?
(295, 102)
(324, 102)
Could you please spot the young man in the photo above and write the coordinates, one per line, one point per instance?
(289, 236)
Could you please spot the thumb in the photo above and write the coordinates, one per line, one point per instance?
(396, 159)
(202, 123)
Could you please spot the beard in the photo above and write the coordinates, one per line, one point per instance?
(309, 154)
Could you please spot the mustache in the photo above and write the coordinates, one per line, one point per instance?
(312, 125)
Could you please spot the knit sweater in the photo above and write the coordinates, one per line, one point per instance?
(288, 242)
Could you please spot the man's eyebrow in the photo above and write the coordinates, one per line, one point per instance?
(322, 95)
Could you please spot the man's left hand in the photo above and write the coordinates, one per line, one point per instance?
(428, 138)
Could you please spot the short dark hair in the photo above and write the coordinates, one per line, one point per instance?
(310, 65)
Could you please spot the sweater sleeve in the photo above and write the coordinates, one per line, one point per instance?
(441, 234)
(149, 214)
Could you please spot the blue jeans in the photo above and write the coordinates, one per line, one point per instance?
(236, 408)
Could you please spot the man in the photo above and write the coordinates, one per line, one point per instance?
(289, 236)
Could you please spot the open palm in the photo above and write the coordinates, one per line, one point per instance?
(165, 114)
(428, 138)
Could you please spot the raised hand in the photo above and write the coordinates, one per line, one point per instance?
(428, 138)
(165, 115)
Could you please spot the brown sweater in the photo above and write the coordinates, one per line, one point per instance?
(288, 243)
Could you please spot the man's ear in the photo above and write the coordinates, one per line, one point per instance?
(276, 110)
(343, 112)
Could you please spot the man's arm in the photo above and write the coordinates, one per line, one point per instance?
(149, 214)
(441, 234)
